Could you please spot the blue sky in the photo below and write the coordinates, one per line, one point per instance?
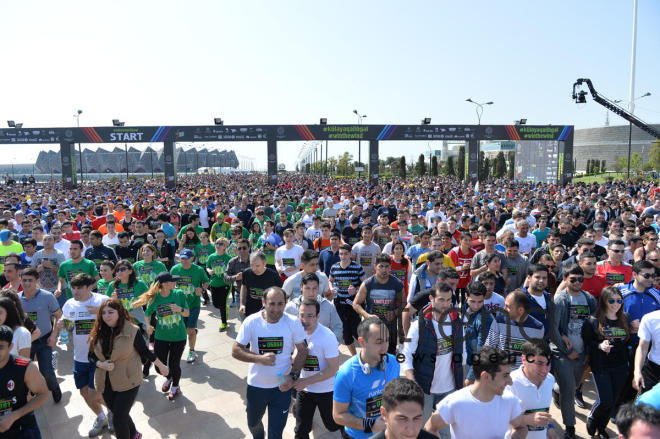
(263, 62)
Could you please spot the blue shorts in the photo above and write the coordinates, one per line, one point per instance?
(83, 374)
(191, 320)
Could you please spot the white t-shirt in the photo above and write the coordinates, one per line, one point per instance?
(474, 419)
(286, 258)
(83, 322)
(21, 340)
(292, 285)
(540, 299)
(279, 338)
(110, 242)
(527, 243)
(532, 399)
(321, 344)
(494, 303)
(649, 330)
(365, 255)
(443, 376)
(63, 246)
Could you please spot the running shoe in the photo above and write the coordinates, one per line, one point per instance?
(99, 425)
(223, 327)
(166, 386)
(173, 393)
(192, 356)
(233, 304)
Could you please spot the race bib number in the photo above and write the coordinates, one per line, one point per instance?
(32, 316)
(164, 310)
(270, 344)
(256, 293)
(84, 327)
(515, 346)
(365, 261)
(614, 333)
(311, 363)
(185, 283)
(445, 346)
(614, 278)
(373, 406)
(218, 268)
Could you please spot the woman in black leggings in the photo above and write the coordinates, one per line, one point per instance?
(117, 349)
(606, 340)
(170, 307)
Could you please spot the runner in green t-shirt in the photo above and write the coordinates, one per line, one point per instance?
(171, 308)
(146, 268)
(105, 271)
(127, 287)
(76, 265)
(220, 229)
(216, 267)
(192, 281)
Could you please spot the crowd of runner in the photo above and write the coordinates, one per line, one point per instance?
(466, 310)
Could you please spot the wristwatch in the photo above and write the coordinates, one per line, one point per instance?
(294, 375)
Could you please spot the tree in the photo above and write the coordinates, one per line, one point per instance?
(460, 163)
(344, 164)
(636, 161)
(512, 165)
(481, 165)
(654, 156)
(421, 166)
(588, 171)
(402, 167)
(602, 166)
(486, 169)
(499, 168)
(434, 166)
(621, 164)
(450, 171)
(595, 166)
(332, 165)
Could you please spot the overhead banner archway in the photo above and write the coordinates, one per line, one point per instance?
(472, 135)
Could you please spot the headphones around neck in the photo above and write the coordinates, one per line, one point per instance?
(366, 369)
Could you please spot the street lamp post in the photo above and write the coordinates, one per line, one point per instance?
(480, 108)
(632, 107)
(77, 116)
(360, 117)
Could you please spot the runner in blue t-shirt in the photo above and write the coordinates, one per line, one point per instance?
(360, 381)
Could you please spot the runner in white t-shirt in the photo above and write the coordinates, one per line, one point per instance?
(317, 379)
(532, 385)
(79, 314)
(287, 257)
(483, 401)
(272, 336)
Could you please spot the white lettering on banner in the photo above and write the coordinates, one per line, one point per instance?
(125, 137)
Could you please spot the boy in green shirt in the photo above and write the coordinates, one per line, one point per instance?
(71, 267)
(192, 281)
(216, 267)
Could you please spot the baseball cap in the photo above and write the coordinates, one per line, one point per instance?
(5, 235)
(166, 277)
(186, 253)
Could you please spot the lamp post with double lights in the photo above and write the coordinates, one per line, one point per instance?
(360, 117)
(13, 124)
(118, 123)
(480, 108)
(77, 116)
(632, 108)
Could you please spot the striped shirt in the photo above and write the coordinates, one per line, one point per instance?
(342, 278)
(510, 336)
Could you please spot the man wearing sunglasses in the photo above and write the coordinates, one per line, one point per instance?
(613, 268)
(639, 295)
(573, 306)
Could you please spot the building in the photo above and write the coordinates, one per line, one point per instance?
(609, 144)
(139, 161)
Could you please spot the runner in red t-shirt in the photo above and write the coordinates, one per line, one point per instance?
(462, 258)
(593, 283)
(614, 270)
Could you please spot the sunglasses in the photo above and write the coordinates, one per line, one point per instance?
(612, 301)
(242, 248)
(110, 222)
(576, 279)
(616, 251)
(122, 269)
(647, 275)
(651, 260)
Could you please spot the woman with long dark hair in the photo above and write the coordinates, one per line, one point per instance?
(9, 316)
(118, 350)
(170, 306)
(146, 267)
(606, 340)
(400, 265)
(164, 251)
(127, 288)
(189, 239)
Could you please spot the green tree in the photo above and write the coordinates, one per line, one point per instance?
(434, 166)
(450, 171)
(621, 164)
(602, 166)
(654, 155)
(481, 165)
(460, 163)
(499, 170)
(636, 161)
(421, 166)
(595, 166)
(402, 167)
(512, 165)
(344, 164)
(332, 165)
(486, 169)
